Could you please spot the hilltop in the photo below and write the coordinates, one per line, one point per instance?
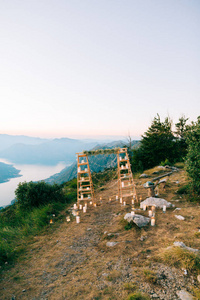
(72, 261)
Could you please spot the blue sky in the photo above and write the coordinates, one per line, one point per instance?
(88, 68)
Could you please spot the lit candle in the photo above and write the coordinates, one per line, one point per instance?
(82, 161)
(153, 221)
(68, 219)
(150, 213)
(153, 208)
(121, 200)
(81, 196)
(144, 207)
(110, 199)
(122, 184)
(75, 206)
(124, 203)
(133, 213)
(86, 205)
(100, 199)
(77, 219)
(116, 197)
(51, 221)
(79, 169)
(84, 209)
(95, 204)
(80, 206)
(132, 201)
(164, 208)
(90, 202)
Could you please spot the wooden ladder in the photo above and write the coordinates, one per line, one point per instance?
(85, 190)
(126, 185)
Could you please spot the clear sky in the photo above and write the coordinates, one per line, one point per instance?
(97, 67)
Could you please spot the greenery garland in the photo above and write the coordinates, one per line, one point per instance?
(102, 151)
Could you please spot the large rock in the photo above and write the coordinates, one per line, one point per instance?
(139, 220)
(184, 295)
(158, 202)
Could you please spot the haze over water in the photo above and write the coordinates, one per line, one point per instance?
(29, 173)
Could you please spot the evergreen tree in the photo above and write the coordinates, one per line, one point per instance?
(157, 145)
(192, 161)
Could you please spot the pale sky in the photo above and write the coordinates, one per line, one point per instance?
(97, 67)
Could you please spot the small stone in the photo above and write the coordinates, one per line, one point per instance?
(88, 229)
(179, 217)
(111, 244)
(184, 295)
(24, 290)
(198, 278)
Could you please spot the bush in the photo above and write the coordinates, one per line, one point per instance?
(35, 194)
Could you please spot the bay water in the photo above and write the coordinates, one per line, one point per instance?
(29, 173)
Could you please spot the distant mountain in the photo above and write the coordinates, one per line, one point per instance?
(45, 151)
(7, 140)
(7, 172)
(97, 163)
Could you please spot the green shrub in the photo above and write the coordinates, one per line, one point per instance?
(138, 296)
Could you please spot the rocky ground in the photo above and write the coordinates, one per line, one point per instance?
(75, 261)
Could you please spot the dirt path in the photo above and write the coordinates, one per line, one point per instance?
(74, 262)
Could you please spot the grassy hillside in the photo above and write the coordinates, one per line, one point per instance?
(73, 261)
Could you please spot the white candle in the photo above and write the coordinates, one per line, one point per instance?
(90, 202)
(124, 203)
(150, 213)
(153, 221)
(122, 184)
(86, 170)
(82, 161)
(80, 206)
(95, 205)
(81, 196)
(75, 206)
(144, 207)
(132, 213)
(68, 219)
(77, 219)
(127, 166)
(84, 209)
(121, 200)
(120, 158)
(86, 205)
(79, 169)
(164, 208)
(116, 197)
(132, 201)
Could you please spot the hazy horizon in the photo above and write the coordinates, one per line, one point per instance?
(96, 68)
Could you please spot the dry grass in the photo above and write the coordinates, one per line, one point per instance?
(180, 258)
(75, 263)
